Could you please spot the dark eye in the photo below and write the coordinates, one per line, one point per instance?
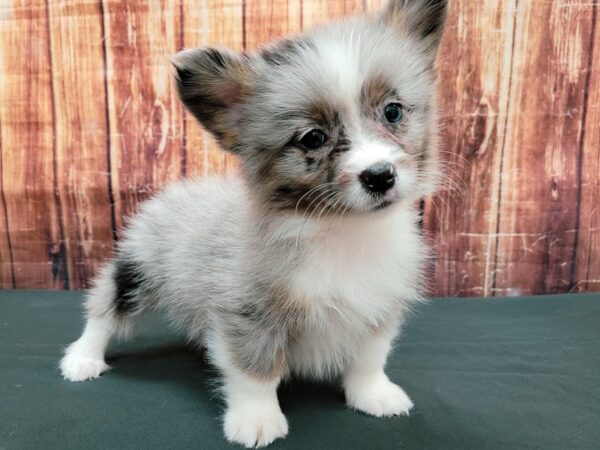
(313, 139)
(393, 112)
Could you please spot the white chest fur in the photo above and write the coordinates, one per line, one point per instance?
(357, 276)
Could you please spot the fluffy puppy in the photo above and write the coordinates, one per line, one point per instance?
(306, 263)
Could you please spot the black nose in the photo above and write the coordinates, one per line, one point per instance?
(379, 178)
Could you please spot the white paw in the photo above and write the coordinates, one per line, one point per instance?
(77, 367)
(254, 427)
(378, 397)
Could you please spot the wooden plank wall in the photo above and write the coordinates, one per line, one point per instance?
(90, 125)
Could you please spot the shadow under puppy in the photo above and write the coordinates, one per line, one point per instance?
(307, 263)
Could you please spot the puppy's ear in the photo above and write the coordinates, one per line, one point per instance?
(212, 83)
(422, 18)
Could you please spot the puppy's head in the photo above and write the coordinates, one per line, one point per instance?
(342, 118)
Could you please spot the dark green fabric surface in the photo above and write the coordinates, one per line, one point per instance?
(502, 373)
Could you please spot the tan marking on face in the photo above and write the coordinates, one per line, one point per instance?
(322, 113)
(346, 178)
(375, 91)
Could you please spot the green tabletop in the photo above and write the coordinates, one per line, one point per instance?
(497, 373)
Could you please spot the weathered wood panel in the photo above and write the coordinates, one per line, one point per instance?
(32, 231)
(145, 115)
(475, 65)
(7, 276)
(221, 24)
(316, 12)
(538, 213)
(80, 135)
(90, 125)
(265, 20)
(586, 270)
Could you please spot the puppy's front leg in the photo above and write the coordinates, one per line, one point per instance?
(252, 367)
(366, 385)
(253, 417)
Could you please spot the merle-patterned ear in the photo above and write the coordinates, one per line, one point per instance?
(211, 83)
(422, 18)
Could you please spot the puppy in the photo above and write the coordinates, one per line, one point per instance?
(307, 263)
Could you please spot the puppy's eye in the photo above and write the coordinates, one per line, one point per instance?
(313, 139)
(393, 112)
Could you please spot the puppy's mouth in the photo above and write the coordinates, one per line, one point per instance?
(382, 205)
(384, 199)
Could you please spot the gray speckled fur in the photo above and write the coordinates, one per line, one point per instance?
(218, 255)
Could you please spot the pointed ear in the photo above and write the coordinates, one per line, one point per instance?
(422, 18)
(211, 84)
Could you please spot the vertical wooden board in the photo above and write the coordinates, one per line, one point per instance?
(538, 205)
(586, 273)
(7, 276)
(7, 273)
(26, 127)
(218, 23)
(81, 132)
(474, 62)
(316, 12)
(266, 20)
(145, 115)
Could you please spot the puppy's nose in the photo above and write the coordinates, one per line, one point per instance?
(378, 178)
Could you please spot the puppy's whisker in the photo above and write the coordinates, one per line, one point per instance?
(311, 191)
(330, 204)
(328, 194)
(317, 197)
(457, 155)
(324, 202)
(437, 211)
(335, 209)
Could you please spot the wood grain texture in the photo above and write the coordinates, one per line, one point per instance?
(475, 65)
(31, 230)
(145, 115)
(7, 276)
(81, 159)
(317, 12)
(218, 24)
(586, 269)
(538, 197)
(265, 20)
(90, 125)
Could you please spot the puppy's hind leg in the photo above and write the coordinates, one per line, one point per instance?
(109, 305)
